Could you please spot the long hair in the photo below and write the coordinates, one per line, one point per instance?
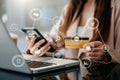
(102, 13)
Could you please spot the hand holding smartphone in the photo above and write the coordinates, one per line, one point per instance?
(35, 32)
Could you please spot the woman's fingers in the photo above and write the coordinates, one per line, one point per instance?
(97, 49)
(31, 44)
(95, 58)
(94, 55)
(94, 51)
(45, 49)
(46, 46)
(94, 44)
(28, 39)
(49, 54)
(33, 47)
(37, 45)
(42, 50)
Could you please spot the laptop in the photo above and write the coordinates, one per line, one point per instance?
(12, 59)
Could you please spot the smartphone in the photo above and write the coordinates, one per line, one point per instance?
(34, 32)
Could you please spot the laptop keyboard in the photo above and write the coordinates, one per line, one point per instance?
(38, 64)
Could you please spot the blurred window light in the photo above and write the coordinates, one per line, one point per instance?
(21, 1)
(4, 18)
(18, 3)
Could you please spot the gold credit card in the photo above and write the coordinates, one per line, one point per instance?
(75, 42)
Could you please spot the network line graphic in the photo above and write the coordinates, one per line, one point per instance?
(36, 14)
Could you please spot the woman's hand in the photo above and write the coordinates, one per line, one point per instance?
(33, 47)
(94, 51)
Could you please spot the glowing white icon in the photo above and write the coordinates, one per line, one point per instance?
(76, 39)
(88, 48)
(35, 14)
(85, 63)
(18, 61)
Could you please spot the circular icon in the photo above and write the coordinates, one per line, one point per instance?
(35, 14)
(92, 23)
(76, 39)
(55, 20)
(106, 47)
(18, 61)
(14, 27)
(88, 48)
(31, 33)
(86, 63)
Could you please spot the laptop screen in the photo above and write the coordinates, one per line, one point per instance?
(9, 51)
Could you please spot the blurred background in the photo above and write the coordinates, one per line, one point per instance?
(42, 14)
